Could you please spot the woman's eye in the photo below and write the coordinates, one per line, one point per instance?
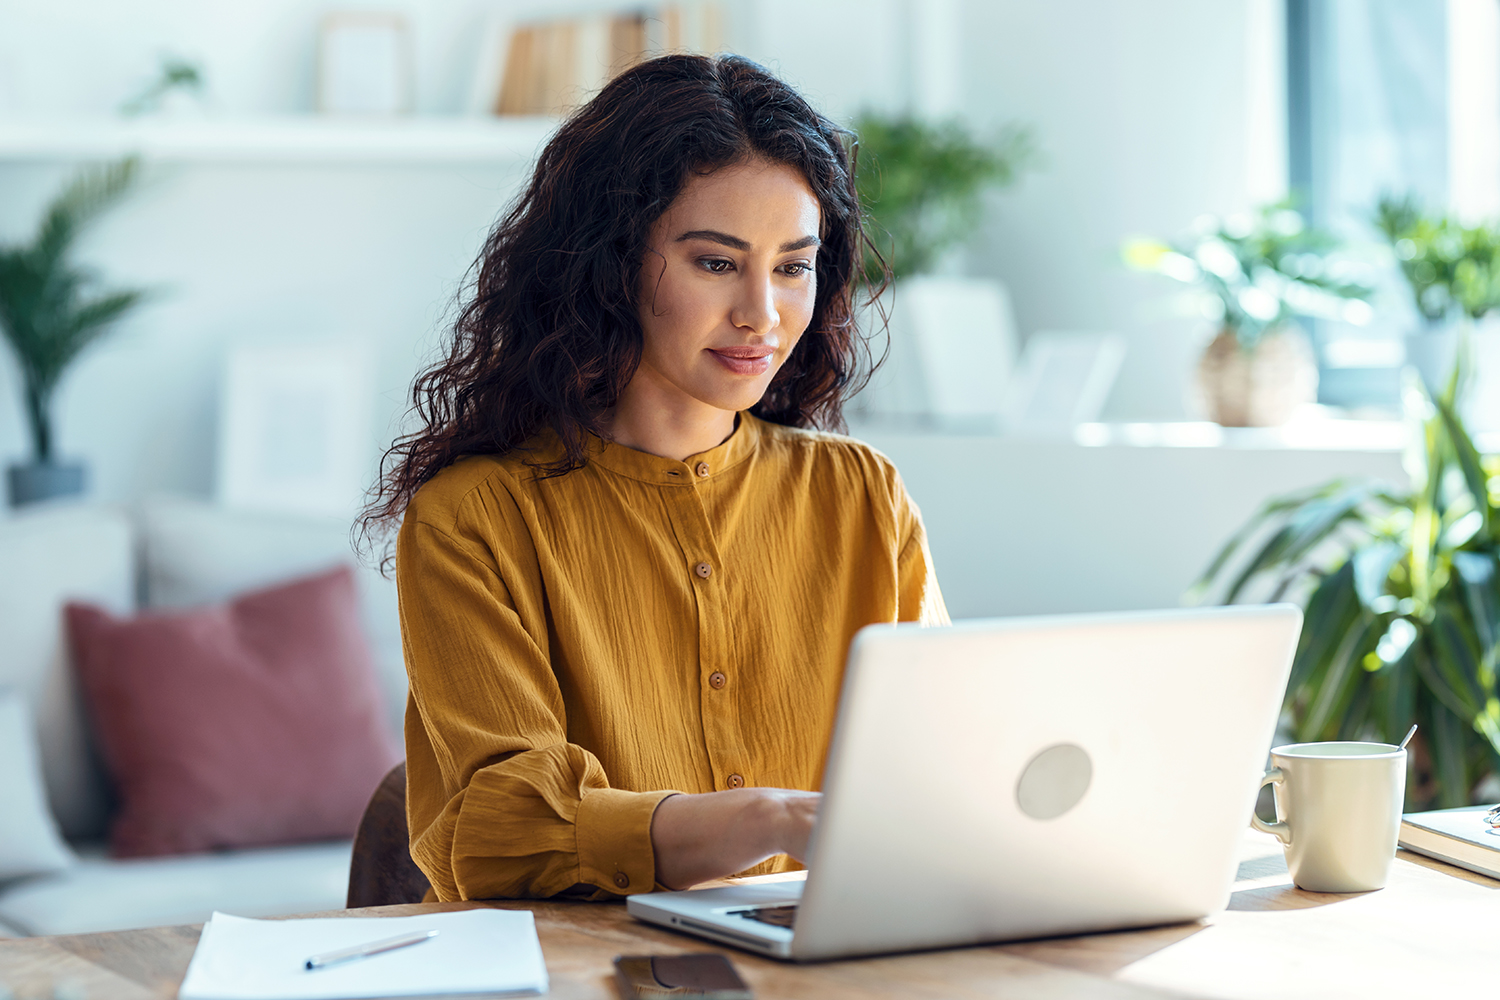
(717, 265)
(796, 270)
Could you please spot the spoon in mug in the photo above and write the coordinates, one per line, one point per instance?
(1409, 734)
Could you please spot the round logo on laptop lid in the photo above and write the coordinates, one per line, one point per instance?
(1054, 781)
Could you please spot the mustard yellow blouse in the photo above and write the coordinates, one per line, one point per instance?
(579, 647)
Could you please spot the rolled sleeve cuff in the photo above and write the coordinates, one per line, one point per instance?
(614, 839)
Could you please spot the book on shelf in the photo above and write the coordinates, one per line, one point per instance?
(551, 67)
(1458, 836)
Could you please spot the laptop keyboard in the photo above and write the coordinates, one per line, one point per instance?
(777, 916)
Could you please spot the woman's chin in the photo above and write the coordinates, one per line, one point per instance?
(737, 402)
(736, 396)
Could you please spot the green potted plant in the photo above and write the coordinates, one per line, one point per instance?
(178, 86)
(50, 310)
(1257, 275)
(921, 183)
(1453, 272)
(1402, 594)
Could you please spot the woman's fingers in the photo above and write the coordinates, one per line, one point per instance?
(713, 834)
(800, 814)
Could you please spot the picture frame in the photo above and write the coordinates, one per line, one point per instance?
(365, 64)
(1063, 379)
(295, 430)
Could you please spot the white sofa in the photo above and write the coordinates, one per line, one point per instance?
(169, 553)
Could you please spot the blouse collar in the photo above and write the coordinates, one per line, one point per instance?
(705, 465)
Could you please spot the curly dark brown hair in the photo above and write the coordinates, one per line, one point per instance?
(548, 334)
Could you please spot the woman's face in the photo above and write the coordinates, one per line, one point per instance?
(727, 286)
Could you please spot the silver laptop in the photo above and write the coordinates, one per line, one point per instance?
(1022, 778)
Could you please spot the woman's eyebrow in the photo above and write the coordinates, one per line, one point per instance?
(714, 236)
(735, 243)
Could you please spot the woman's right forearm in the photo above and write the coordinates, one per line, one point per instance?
(696, 838)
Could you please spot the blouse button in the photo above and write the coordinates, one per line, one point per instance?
(704, 570)
(622, 880)
(718, 680)
(735, 781)
(701, 468)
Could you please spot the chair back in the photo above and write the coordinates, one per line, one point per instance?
(382, 872)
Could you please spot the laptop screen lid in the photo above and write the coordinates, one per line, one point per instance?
(1016, 778)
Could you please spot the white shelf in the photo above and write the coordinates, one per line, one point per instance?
(1300, 435)
(1308, 435)
(276, 139)
(1318, 434)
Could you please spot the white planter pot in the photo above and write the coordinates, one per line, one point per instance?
(1432, 353)
(952, 350)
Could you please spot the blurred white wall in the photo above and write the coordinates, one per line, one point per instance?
(1020, 526)
(1142, 111)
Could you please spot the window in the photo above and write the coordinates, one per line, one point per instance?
(1388, 96)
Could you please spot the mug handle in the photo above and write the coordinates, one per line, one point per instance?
(1280, 831)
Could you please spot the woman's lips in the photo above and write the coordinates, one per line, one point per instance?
(744, 360)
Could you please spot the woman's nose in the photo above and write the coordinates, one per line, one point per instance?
(755, 308)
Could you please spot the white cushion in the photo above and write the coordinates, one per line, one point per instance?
(200, 553)
(48, 557)
(29, 841)
(99, 894)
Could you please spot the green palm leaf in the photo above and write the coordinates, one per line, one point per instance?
(1448, 755)
(1268, 510)
(1395, 708)
(1308, 526)
(1372, 565)
(1455, 657)
(1479, 581)
(1473, 470)
(89, 194)
(1327, 710)
(1331, 612)
(48, 310)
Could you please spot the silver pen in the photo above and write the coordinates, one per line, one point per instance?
(366, 950)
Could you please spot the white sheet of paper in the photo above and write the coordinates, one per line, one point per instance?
(475, 951)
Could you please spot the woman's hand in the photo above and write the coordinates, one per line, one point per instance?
(700, 837)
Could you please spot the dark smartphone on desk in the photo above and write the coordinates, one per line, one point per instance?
(700, 976)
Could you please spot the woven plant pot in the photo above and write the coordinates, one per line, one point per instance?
(1261, 386)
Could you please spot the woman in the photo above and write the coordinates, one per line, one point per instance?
(629, 575)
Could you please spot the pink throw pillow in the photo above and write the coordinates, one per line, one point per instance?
(239, 725)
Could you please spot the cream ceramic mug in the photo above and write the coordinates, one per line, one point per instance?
(1338, 811)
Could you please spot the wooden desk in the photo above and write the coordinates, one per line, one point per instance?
(1432, 932)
